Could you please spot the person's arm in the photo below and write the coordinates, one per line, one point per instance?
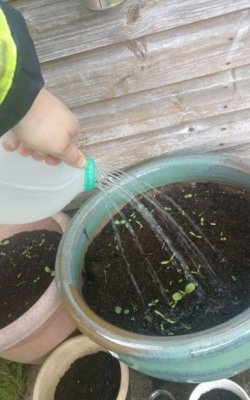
(43, 126)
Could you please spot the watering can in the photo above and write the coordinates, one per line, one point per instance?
(31, 190)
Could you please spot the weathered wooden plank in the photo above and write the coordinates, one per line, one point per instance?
(213, 133)
(164, 107)
(61, 28)
(164, 58)
(150, 77)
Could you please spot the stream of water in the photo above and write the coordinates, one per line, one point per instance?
(112, 181)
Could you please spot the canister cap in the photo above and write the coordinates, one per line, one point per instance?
(89, 174)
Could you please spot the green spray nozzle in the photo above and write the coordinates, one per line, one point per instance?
(89, 174)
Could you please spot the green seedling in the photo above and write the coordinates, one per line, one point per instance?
(49, 271)
(195, 235)
(41, 243)
(153, 303)
(190, 288)
(166, 262)
(188, 196)
(162, 327)
(148, 318)
(167, 319)
(132, 216)
(186, 326)
(118, 310)
(178, 296)
(139, 224)
(4, 242)
(119, 222)
(197, 271)
(222, 237)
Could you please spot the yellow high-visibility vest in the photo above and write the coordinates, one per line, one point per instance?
(20, 73)
(8, 57)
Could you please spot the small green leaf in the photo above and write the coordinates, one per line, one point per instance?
(189, 288)
(195, 235)
(119, 222)
(177, 297)
(169, 320)
(166, 262)
(49, 271)
(153, 303)
(147, 318)
(139, 224)
(118, 310)
(4, 242)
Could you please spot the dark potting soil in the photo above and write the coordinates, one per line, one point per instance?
(93, 377)
(27, 262)
(139, 283)
(219, 394)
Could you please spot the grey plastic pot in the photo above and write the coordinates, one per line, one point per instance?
(208, 355)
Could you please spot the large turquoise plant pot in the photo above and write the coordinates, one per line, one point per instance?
(208, 355)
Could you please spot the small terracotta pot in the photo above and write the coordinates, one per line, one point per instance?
(46, 324)
(225, 384)
(60, 360)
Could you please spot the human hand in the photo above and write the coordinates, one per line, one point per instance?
(46, 132)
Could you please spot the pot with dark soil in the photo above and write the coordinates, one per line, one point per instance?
(181, 272)
(164, 283)
(80, 369)
(223, 389)
(32, 320)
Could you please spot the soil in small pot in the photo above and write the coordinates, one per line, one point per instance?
(27, 262)
(188, 273)
(93, 377)
(219, 394)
